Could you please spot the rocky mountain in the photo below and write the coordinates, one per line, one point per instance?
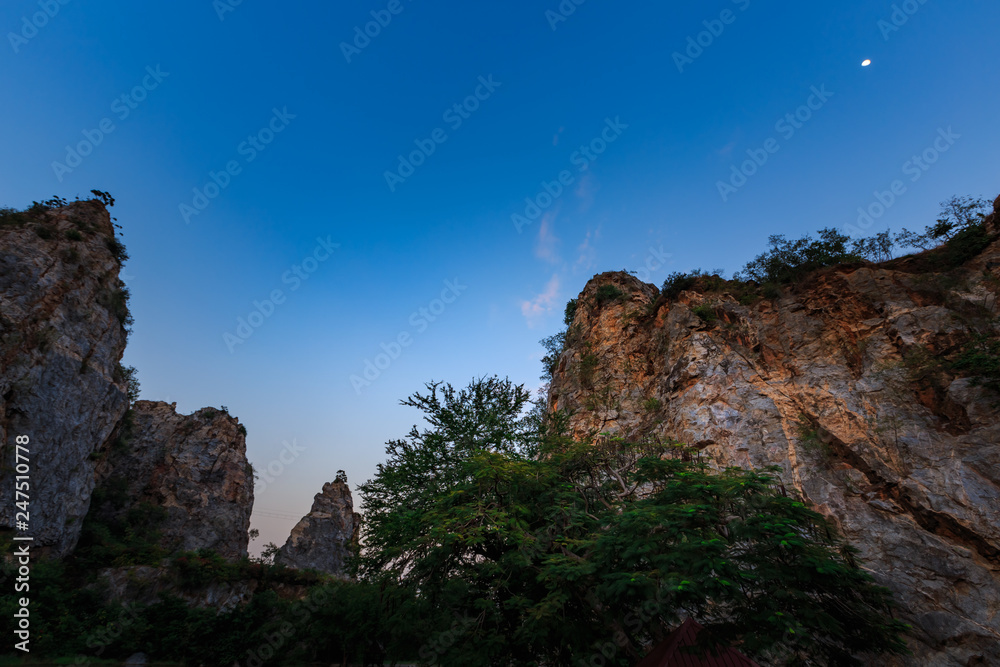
(195, 468)
(63, 317)
(63, 327)
(322, 539)
(843, 381)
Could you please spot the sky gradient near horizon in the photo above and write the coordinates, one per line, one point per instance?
(295, 207)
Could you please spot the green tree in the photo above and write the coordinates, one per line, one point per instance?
(531, 547)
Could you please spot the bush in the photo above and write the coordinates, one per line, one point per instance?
(570, 313)
(588, 364)
(130, 375)
(554, 346)
(957, 215)
(118, 251)
(981, 359)
(678, 282)
(786, 261)
(706, 313)
(607, 294)
(74, 235)
(116, 302)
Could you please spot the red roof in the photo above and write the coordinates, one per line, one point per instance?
(668, 653)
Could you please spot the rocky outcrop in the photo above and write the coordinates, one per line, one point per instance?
(838, 383)
(63, 313)
(195, 468)
(323, 539)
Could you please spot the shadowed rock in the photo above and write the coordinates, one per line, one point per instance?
(323, 539)
(63, 313)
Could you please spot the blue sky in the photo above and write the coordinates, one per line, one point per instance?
(279, 139)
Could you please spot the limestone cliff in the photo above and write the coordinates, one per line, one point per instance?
(195, 468)
(839, 381)
(63, 328)
(322, 540)
(62, 334)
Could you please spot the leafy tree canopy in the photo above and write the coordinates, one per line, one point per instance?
(528, 547)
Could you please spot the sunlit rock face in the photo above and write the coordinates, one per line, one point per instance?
(195, 468)
(814, 382)
(62, 336)
(322, 540)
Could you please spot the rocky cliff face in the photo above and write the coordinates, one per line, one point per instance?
(62, 334)
(63, 327)
(195, 468)
(322, 540)
(837, 382)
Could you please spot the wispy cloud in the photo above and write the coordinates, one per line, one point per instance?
(542, 304)
(585, 191)
(586, 253)
(545, 248)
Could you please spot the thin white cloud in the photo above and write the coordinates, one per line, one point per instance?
(586, 253)
(545, 247)
(541, 305)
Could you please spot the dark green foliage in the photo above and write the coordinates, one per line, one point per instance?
(588, 365)
(131, 377)
(242, 429)
(957, 214)
(208, 414)
(117, 533)
(426, 464)
(652, 404)
(105, 198)
(554, 346)
(570, 314)
(786, 261)
(678, 282)
(118, 251)
(706, 313)
(549, 559)
(980, 358)
(44, 232)
(703, 281)
(73, 235)
(607, 294)
(116, 302)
